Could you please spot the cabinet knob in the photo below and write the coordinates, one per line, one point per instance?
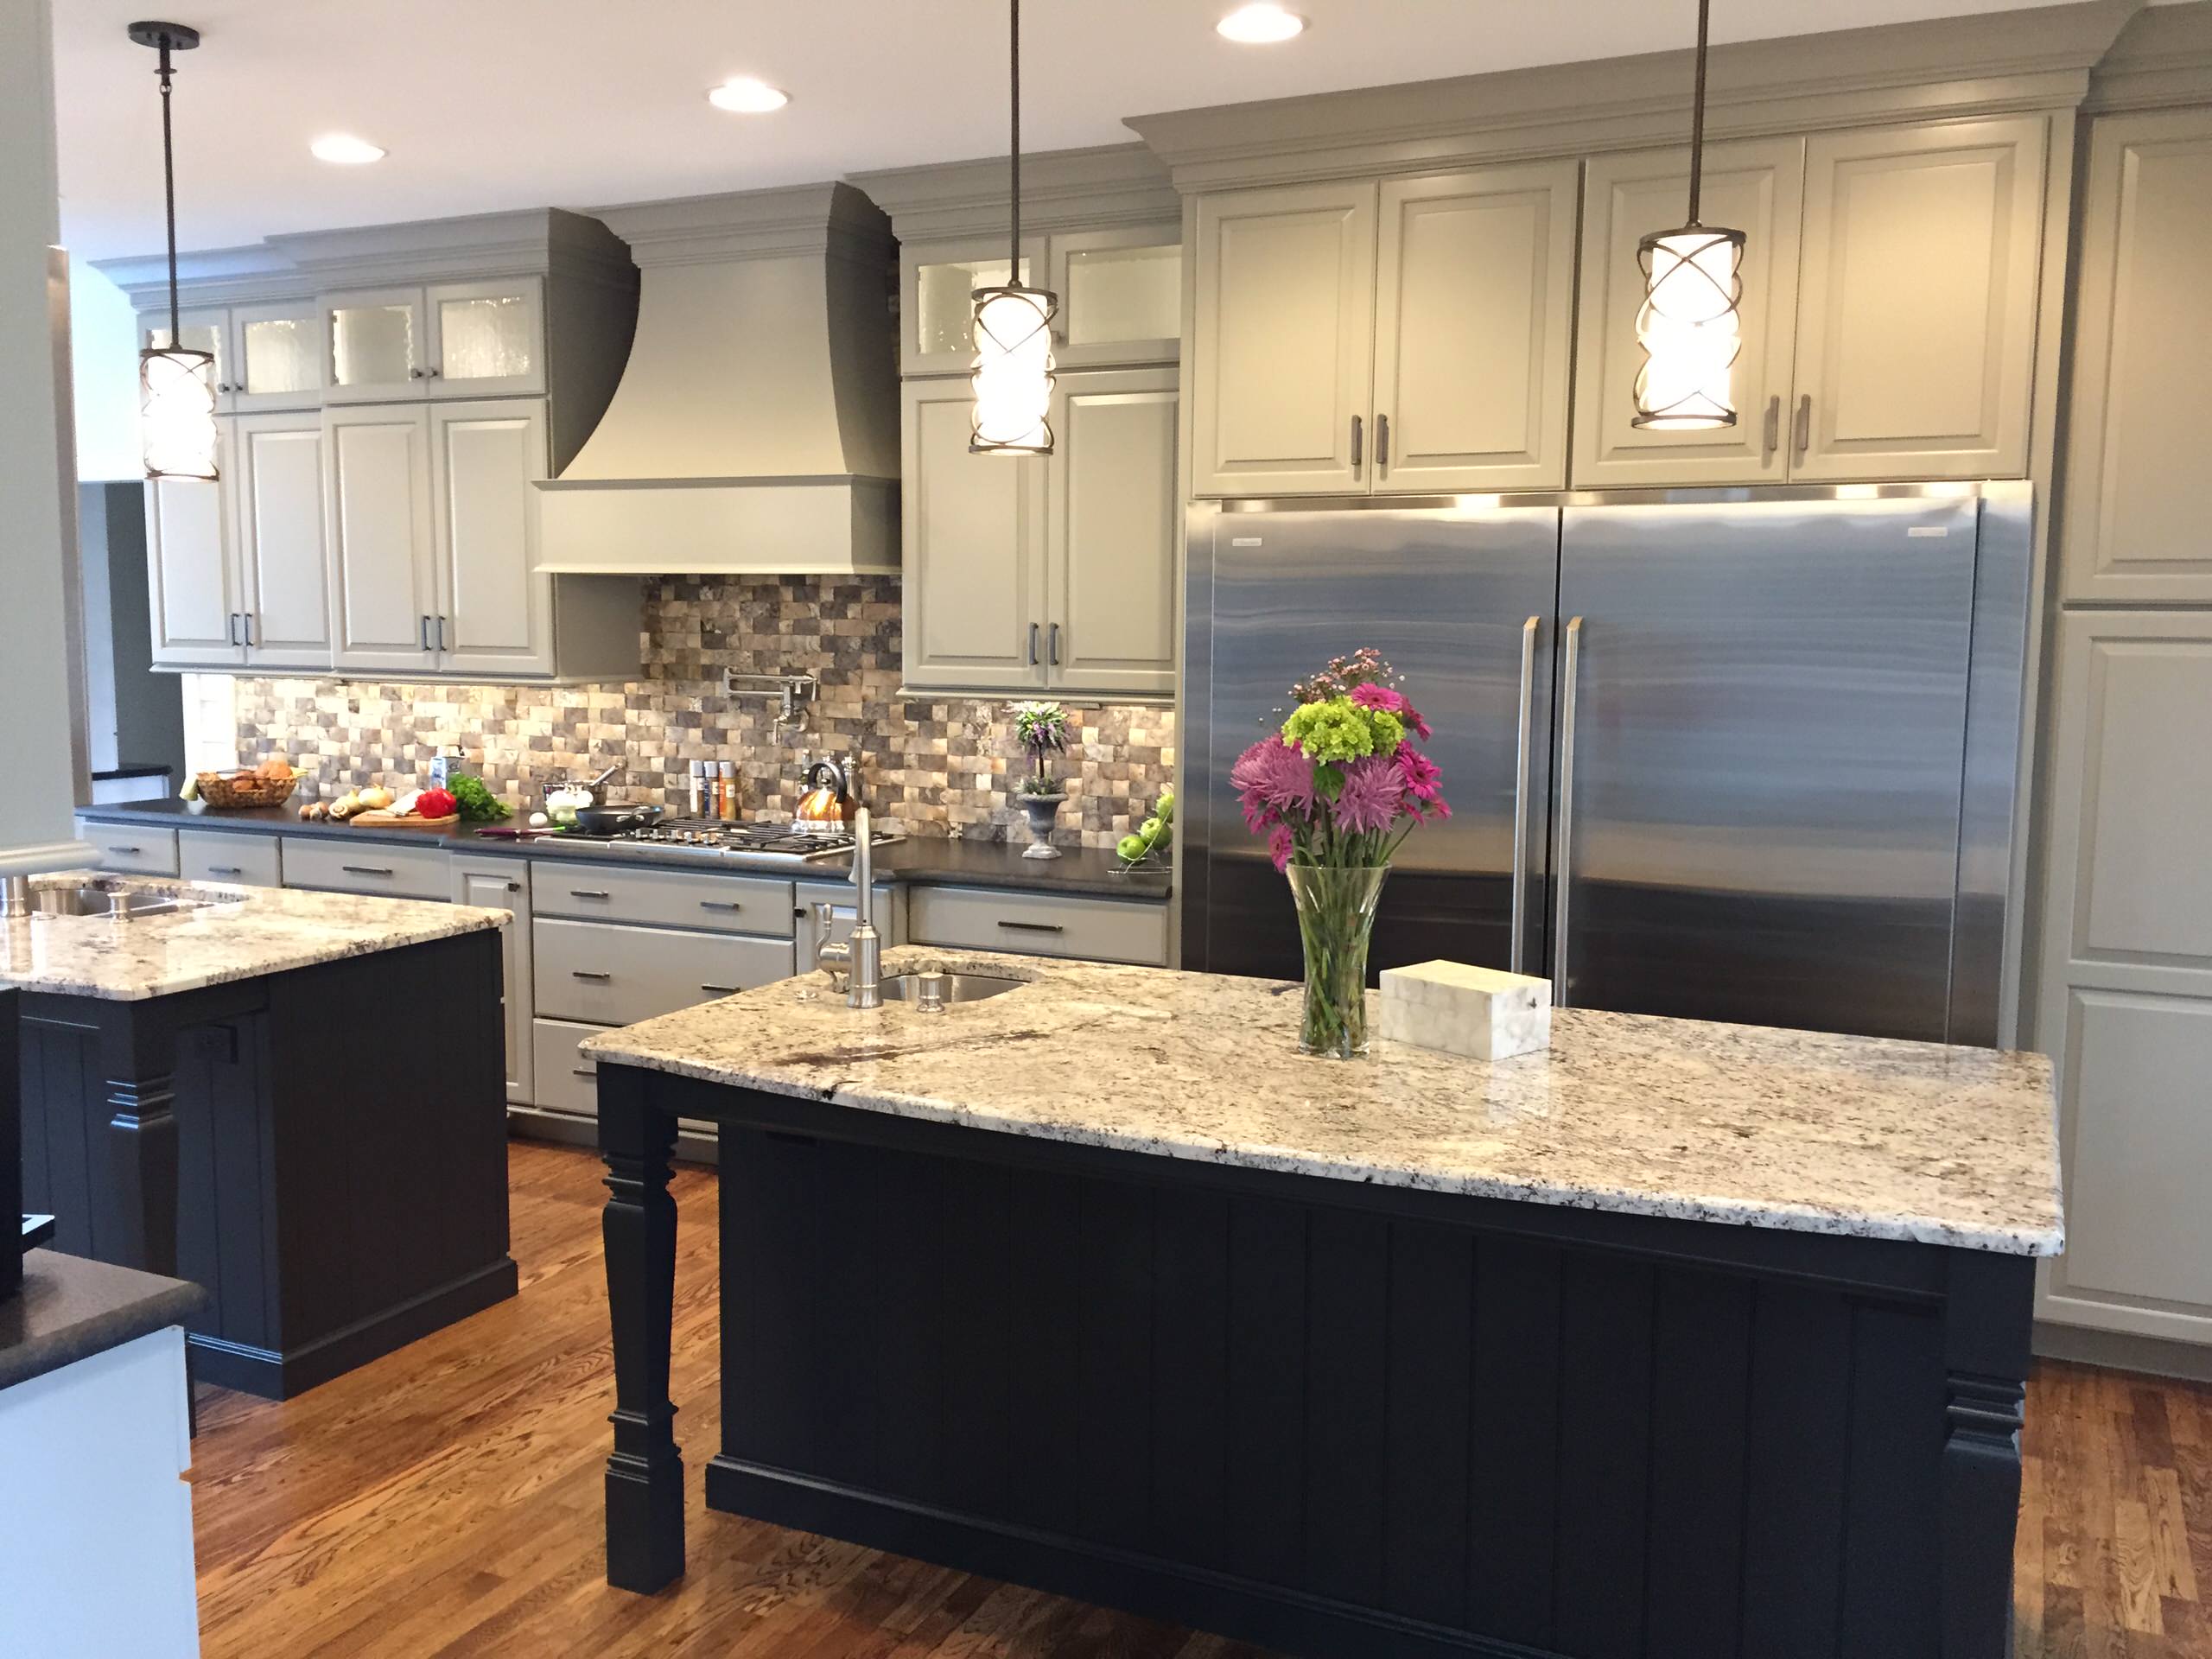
(434, 374)
(413, 374)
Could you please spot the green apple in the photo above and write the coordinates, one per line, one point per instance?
(1150, 829)
(1132, 848)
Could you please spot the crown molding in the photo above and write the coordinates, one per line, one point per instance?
(1952, 66)
(831, 219)
(1096, 189)
(2163, 59)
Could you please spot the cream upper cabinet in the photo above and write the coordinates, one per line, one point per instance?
(377, 496)
(937, 284)
(276, 480)
(493, 615)
(1916, 300)
(1283, 341)
(1121, 295)
(974, 550)
(1113, 507)
(2136, 513)
(1752, 185)
(1473, 290)
(192, 567)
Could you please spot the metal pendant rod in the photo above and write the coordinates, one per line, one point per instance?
(168, 190)
(1697, 112)
(1014, 59)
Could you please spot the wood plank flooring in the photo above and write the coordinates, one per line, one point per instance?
(445, 1500)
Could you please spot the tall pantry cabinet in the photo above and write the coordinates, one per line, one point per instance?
(2125, 1001)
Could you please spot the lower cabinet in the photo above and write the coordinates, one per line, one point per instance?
(1040, 924)
(233, 856)
(604, 975)
(504, 884)
(330, 864)
(132, 848)
(565, 1081)
(2125, 1007)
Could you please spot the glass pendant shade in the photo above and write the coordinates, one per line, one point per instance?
(1688, 327)
(1013, 375)
(176, 412)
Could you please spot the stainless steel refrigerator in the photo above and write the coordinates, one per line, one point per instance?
(1744, 755)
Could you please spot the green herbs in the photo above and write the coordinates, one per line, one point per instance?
(477, 803)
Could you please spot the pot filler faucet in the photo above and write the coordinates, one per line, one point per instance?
(862, 954)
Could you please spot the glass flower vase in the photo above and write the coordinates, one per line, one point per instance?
(1336, 913)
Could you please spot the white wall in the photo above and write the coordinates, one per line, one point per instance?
(104, 371)
(41, 736)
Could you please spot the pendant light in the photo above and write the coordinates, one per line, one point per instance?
(176, 386)
(1013, 332)
(1688, 325)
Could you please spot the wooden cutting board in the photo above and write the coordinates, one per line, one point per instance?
(373, 819)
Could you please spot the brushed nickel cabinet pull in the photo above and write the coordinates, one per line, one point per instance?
(366, 869)
(720, 990)
(1032, 927)
(729, 904)
(1770, 435)
(1381, 440)
(1803, 436)
(1033, 644)
(1358, 439)
(588, 973)
(587, 892)
(583, 1070)
(1052, 651)
(225, 869)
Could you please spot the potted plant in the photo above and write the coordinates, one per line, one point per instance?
(1336, 792)
(1043, 729)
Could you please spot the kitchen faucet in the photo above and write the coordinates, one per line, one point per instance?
(862, 954)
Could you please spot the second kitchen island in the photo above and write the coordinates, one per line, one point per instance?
(1679, 1338)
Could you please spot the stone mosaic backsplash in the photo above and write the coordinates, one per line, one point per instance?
(935, 766)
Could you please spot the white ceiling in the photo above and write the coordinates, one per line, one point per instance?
(502, 104)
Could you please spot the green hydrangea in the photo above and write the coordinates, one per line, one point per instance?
(1338, 730)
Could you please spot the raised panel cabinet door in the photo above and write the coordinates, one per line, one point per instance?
(974, 551)
(1474, 295)
(494, 613)
(192, 567)
(1110, 537)
(504, 884)
(377, 507)
(1916, 300)
(1283, 341)
(1753, 185)
(2138, 506)
(376, 345)
(276, 351)
(284, 571)
(486, 338)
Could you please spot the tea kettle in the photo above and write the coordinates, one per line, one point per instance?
(826, 786)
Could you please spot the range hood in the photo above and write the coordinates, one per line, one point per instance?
(755, 430)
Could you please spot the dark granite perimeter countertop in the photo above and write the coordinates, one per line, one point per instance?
(923, 860)
(70, 1309)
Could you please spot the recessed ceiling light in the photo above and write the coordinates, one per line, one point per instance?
(345, 149)
(747, 96)
(1260, 25)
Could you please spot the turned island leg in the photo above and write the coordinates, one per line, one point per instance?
(644, 1474)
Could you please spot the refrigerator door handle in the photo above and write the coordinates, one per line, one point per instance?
(1563, 868)
(1521, 762)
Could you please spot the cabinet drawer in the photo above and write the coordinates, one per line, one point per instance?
(608, 976)
(130, 847)
(715, 903)
(373, 866)
(229, 855)
(565, 1080)
(1040, 924)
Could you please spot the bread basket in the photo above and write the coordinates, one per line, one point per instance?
(236, 789)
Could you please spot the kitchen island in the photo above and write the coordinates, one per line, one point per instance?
(1676, 1338)
(292, 1099)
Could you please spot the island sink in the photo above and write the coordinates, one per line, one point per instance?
(958, 988)
(115, 900)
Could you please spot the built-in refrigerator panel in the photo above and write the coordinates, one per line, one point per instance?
(1761, 742)
(1460, 599)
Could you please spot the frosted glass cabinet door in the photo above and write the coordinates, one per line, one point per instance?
(206, 330)
(378, 345)
(937, 282)
(277, 352)
(486, 338)
(1121, 296)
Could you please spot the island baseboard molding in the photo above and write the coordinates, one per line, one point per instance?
(1326, 1416)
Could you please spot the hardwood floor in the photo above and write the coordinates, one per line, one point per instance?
(446, 1501)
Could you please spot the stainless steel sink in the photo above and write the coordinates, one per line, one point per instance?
(958, 987)
(117, 903)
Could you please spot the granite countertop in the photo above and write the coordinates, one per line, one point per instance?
(1800, 1131)
(919, 860)
(70, 1309)
(243, 933)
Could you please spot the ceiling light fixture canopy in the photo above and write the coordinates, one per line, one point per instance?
(176, 386)
(1260, 25)
(743, 95)
(1688, 324)
(1013, 375)
(344, 149)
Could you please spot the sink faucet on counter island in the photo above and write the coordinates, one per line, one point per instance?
(293, 1099)
(1674, 1338)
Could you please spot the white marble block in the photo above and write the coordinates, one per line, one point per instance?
(1477, 1012)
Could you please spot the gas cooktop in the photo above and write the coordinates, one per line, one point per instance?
(714, 840)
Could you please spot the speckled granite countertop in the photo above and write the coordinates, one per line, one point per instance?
(922, 861)
(1796, 1130)
(247, 932)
